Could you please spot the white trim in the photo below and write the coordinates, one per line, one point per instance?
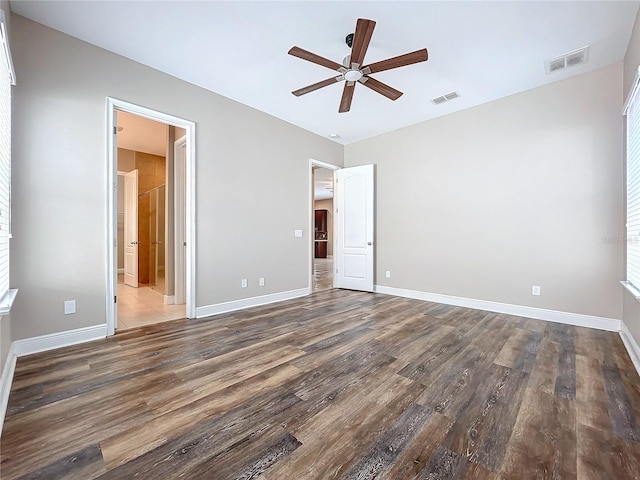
(5, 383)
(59, 339)
(169, 299)
(631, 288)
(310, 229)
(5, 46)
(632, 91)
(6, 302)
(250, 302)
(113, 104)
(633, 349)
(577, 319)
(179, 221)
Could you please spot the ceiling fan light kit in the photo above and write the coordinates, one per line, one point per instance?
(352, 70)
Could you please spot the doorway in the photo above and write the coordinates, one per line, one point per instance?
(150, 247)
(322, 226)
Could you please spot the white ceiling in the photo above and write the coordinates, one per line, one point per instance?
(483, 50)
(141, 134)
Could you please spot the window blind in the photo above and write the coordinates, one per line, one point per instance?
(633, 187)
(6, 79)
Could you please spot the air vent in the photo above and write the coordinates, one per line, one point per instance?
(571, 59)
(445, 98)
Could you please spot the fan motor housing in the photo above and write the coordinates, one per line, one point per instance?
(349, 40)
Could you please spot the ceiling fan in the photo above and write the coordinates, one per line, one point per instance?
(352, 71)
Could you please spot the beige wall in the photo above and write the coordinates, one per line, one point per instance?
(525, 190)
(327, 205)
(243, 156)
(126, 160)
(631, 315)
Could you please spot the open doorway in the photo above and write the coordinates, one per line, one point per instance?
(146, 222)
(150, 247)
(322, 223)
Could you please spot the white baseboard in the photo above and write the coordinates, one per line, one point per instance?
(250, 302)
(577, 319)
(5, 383)
(169, 299)
(59, 339)
(631, 345)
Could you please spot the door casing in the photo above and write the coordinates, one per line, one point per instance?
(112, 106)
(316, 164)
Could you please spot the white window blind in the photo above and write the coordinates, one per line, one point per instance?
(632, 111)
(6, 80)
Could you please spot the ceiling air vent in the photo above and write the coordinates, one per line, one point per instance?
(445, 98)
(576, 57)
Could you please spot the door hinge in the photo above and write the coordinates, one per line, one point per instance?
(115, 299)
(115, 130)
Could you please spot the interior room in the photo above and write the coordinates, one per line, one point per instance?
(463, 302)
(323, 229)
(145, 295)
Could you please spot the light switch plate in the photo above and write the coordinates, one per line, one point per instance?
(297, 233)
(244, 283)
(535, 290)
(387, 274)
(261, 281)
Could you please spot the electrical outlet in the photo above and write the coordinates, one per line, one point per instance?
(535, 290)
(244, 283)
(69, 307)
(387, 274)
(261, 281)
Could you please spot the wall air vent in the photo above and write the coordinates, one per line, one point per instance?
(571, 59)
(445, 98)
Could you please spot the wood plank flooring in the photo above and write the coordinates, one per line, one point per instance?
(337, 385)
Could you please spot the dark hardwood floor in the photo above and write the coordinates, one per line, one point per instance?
(339, 384)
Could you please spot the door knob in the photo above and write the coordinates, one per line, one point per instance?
(369, 243)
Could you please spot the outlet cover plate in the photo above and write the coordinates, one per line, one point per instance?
(69, 307)
(535, 290)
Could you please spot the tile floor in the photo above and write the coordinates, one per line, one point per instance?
(144, 306)
(322, 273)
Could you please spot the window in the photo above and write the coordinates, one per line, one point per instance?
(7, 78)
(632, 111)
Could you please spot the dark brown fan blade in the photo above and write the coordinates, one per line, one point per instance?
(399, 61)
(316, 86)
(347, 96)
(361, 39)
(313, 58)
(381, 88)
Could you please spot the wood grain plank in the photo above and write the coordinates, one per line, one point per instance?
(543, 441)
(482, 432)
(623, 418)
(380, 457)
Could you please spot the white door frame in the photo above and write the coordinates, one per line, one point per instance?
(113, 104)
(317, 164)
(179, 202)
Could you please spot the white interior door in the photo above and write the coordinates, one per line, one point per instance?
(353, 248)
(180, 195)
(131, 228)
